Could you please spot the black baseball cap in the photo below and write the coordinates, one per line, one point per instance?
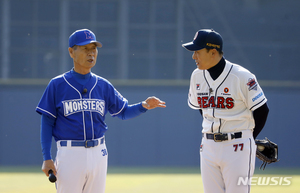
(83, 37)
(205, 38)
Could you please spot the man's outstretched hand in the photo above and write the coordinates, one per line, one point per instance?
(153, 102)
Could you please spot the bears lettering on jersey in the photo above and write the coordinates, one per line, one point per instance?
(78, 105)
(220, 103)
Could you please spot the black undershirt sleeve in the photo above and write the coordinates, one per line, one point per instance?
(200, 111)
(260, 117)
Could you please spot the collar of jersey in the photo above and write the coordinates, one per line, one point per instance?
(80, 76)
(217, 70)
(221, 77)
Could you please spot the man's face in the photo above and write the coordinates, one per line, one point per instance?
(203, 59)
(84, 57)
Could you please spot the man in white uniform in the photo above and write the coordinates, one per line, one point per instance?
(234, 110)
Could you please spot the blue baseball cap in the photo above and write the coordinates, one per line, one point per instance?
(205, 38)
(83, 37)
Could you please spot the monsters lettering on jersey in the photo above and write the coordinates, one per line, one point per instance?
(79, 105)
(219, 103)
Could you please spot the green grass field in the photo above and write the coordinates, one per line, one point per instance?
(142, 180)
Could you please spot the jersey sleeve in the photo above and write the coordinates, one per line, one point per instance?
(117, 103)
(132, 111)
(192, 96)
(254, 95)
(47, 124)
(47, 102)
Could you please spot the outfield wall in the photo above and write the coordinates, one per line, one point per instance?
(161, 137)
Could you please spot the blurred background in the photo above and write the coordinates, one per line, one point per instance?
(142, 56)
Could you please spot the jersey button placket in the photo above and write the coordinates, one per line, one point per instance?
(88, 130)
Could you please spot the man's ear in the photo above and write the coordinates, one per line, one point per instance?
(215, 52)
(71, 52)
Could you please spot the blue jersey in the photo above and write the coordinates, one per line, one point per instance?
(80, 110)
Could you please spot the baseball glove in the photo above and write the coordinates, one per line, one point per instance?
(267, 152)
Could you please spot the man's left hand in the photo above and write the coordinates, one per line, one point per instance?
(153, 102)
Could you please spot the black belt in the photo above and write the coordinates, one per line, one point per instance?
(86, 143)
(218, 137)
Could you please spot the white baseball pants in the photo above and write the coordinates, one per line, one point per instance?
(223, 163)
(80, 169)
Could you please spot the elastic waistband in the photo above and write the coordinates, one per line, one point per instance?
(78, 143)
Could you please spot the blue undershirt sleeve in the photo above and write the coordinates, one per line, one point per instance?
(47, 124)
(132, 111)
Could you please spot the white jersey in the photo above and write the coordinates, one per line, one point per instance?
(227, 102)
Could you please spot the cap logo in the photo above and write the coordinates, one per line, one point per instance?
(213, 45)
(88, 35)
